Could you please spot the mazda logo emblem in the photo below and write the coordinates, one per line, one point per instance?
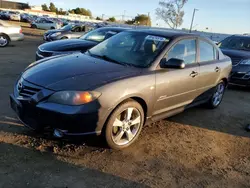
(19, 86)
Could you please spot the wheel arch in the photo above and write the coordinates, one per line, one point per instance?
(6, 35)
(138, 99)
(225, 80)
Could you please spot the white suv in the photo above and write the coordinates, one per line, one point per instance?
(45, 24)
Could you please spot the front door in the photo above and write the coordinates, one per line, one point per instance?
(177, 87)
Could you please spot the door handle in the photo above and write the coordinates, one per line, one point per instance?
(217, 69)
(194, 74)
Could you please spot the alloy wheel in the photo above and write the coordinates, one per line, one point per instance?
(3, 41)
(126, 126)
(218, 95)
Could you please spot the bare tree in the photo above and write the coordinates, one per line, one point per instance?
(171, 12)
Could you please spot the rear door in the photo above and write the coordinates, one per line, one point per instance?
(209, 66)
(177, 87)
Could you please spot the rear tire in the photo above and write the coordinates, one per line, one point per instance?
(124, 125)
(52, 28)
(217, 96)
(63, 38)
(33, 26)
(4, 40)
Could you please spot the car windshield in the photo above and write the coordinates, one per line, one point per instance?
(236, 43)
(130, 48)
(95, 35)
(67, 27)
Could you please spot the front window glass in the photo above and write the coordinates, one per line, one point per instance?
(185, 50)
(236, 43)
(130, 48)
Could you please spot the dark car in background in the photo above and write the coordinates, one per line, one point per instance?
(134, 78)
(82, 44)
(237, 47)
(70, 31)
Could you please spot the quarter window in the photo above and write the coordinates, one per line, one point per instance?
(207, 52)
(185, 50)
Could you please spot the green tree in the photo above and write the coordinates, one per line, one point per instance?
(98, 18)
(112, 19)
(81, 11)
(130, 22)
(142, 19)
(71, 11)
(45, 7)
(52, 7)
(171, 12)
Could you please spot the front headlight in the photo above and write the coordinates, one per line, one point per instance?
(55, 34)
(245, 62)
(74, 97)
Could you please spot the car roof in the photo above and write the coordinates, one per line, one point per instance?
(163, 33)
(114, 28)
(242, 36)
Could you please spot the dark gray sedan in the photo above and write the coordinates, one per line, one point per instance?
(134, 78)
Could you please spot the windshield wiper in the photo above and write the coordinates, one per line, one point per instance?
(104, 57)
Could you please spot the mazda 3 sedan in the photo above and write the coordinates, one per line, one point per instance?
(114, 89)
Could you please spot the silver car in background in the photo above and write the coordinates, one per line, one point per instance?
(9, 33)
(70, 31)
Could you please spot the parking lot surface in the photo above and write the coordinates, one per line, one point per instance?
(198, 148)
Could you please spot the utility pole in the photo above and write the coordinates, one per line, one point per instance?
(123, 16)
(148, 18)
(191, 27)
(103, 16)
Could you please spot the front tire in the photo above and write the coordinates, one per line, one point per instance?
(33, 26)
(4, 40)
(217, 96)
(124, 125)
(64, 38)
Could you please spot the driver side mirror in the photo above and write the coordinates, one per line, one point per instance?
(172, 63)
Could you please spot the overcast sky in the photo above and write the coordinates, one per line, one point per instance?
(227, 16)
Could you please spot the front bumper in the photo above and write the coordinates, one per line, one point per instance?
(69, 120)
(239, 82)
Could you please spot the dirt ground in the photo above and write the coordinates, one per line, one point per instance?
(198, 148)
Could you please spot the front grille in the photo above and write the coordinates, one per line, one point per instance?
(25, 89)
(44, 53)
(27, 92)
(238, 75)
(236, 60)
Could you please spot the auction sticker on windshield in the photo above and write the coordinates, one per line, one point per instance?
(157, 38)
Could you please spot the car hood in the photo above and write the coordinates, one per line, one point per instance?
(67, 45)
(75, 72)
(241, 68)
(236, 53)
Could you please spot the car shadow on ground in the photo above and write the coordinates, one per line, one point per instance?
(41, 169)
(14, 126)
(227, 118)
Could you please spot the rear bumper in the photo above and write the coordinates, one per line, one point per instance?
(16, 37)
